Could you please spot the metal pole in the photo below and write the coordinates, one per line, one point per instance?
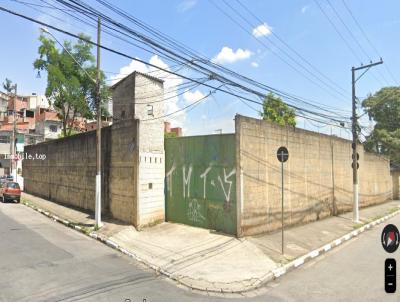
(354, 145)
(98, 135)
(282, 202)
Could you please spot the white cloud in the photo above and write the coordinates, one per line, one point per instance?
(304, 9)
(127, 70)
(262, 30)
(186, 5)
(254, 64)
(228, 55)
(191, 97)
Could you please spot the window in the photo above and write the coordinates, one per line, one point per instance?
(53, 128)
(29, 113)
(150, 110)
(4, 139)
(13, 185)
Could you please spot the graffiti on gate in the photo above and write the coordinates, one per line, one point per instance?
(224, 180)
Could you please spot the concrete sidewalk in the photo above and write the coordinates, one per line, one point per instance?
(205, 260)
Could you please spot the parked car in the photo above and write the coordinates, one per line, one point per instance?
(10, 191)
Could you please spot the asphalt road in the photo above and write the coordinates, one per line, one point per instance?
(41, 260)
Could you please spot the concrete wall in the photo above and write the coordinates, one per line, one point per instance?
(317, 176)
(396, 184)
(132, 155)
(67, 174)
(149, 94)
(141, 96)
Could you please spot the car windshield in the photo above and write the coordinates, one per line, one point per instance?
(13, 185)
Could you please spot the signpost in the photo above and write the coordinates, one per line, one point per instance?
(282, 155)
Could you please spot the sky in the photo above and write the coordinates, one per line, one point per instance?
(316, 67)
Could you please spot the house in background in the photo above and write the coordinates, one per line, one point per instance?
(176, 131)
(38, 101)
(48, 125)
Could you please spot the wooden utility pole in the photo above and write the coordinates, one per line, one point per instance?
(354, 129)
(98, 134)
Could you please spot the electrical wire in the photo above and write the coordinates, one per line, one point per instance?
(152, 65)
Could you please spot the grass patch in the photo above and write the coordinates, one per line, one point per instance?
(392, 210)
(87, 230)
(358, 225)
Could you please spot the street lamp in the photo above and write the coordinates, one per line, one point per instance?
(98, 223)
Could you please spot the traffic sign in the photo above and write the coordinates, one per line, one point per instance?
(282, 154)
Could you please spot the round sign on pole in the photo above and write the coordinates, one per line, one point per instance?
(282, 154)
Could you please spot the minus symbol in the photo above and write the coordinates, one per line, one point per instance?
(390, 283)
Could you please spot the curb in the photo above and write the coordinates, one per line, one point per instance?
(327, 247)
(272, 275)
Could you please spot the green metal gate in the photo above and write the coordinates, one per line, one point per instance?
(201, 181)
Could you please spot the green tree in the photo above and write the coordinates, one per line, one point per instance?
(8, 86)
(170, 135)
(70, 85)
(276, 111)
(384, 109)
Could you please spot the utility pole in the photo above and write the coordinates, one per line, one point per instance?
(12, 141)
(354, 126)
(98, 135)
(15, 132)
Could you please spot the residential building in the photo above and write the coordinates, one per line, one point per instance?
(48, 125)
(35, 101)
(92, 125)
(168, 129)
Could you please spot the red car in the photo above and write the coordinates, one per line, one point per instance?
(10, 191)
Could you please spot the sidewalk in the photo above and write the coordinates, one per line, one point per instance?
(204, 260)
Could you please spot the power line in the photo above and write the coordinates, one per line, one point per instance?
(274, 52)
(348, 30)
(337, 30)
(270, 89)
(367, 38)
(182, 109)
(222, 68)
(340, 35)
(354, 38)
(291, 48)
(165, 70)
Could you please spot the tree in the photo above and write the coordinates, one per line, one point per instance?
(276, 111)
(384, 109)
(8, 86)
(70, 85)
(170, 135)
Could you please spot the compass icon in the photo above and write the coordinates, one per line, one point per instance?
(390, 238)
